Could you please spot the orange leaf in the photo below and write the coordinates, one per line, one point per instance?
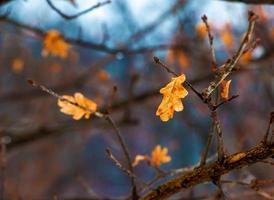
(177, 56)
(245, 58)
(201, 30)
(159, 156)
(55, 45)
(102, 75)
(77, 106)
(173, 92)
(227, 37)
(225, 91)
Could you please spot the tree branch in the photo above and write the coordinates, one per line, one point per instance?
(70, 17)
(207, 173)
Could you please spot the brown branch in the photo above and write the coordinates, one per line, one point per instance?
(108, 118)
(227, 68)
(70, 17)
(126, 153)
(210, 39)
(271, 120)
(92, 45)
(209, 139)
(118, 164)
(216, 169)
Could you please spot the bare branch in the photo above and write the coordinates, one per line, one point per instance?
(210, 38)
(204, 174)
(70, 17)
(226, 69)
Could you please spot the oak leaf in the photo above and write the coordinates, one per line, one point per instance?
(173, 92)
(77, 106)
(158, 157)
(55, 45)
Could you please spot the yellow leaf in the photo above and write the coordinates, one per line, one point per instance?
(77, 106)
(173, 92)
(17, 65)
(159, 156)
(55, 45)
(225, 91)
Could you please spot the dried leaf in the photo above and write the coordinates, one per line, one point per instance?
(159, 156)
(245, 58)
(227, 37)
(225, 91)
(103, 75)
(173, 92)
(77, 106)
(201, 30)
(17, 65)
(55, 45)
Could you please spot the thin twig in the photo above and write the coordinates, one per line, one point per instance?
(126, 152)
(118, 163)
(218, 131)
(111, 99)
(108, 118)
(226, 69)
(225, 101)
(271, 120)
(209, 139)
(70, 17)
(210, 39)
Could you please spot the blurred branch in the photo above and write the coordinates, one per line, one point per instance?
(3, 2)
(252, 1)
(70, 17)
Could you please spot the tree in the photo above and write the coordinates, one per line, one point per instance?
(212, 124)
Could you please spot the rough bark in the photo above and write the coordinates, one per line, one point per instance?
(212, 171)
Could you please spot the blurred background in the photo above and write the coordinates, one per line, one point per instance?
(51, 155)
